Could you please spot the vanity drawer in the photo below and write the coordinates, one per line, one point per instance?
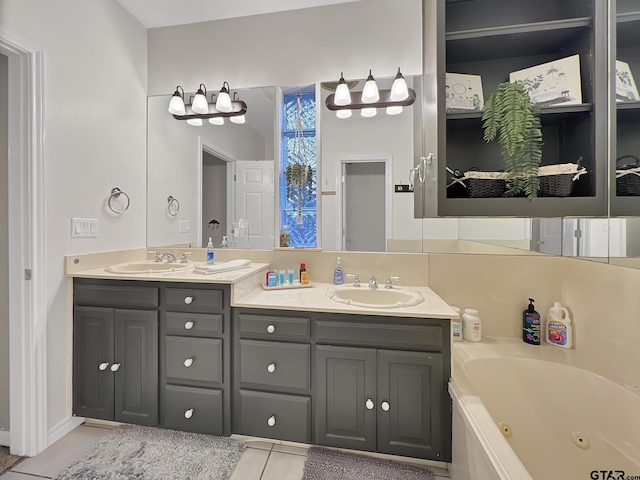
(274, 326)
(193, 409)
(387, 335)
(193, 299)
(115, 296)
(272, 415)
(194, 324)
(197, 359)
(271, 364)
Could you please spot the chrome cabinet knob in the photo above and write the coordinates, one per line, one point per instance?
(369, 404)
(188, 325)
(103, 366)
(271, 368)
(272, 421)
(115, 367)
(188, 413)
(188, 300)
(188, 362)
(271, 329)
(385, 406)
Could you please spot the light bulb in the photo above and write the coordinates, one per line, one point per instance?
(342, 96)
(216, 121)
(239, 119)
(196, 122)
(200, 104)
(370, 91)
(368, 112)
(394, 110)
(399, 90)
(343, 113)
(223, 103)
(176, 105)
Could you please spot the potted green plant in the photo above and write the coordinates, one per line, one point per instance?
(512, 118)
(299, 178)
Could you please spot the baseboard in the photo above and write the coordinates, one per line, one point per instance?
(5, 438)
(62, 428)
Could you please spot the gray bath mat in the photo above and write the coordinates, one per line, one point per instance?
(7, 461)
(145, 453)
(327, 464)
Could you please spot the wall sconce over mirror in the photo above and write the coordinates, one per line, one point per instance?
(220, 107)
(371, 98)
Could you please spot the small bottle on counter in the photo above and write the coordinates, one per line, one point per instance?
(303, 269)
(290, 275)
(456, 327)
(471, 325)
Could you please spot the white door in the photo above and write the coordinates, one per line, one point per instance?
(364, 207)
(254, 201)
(547, 235)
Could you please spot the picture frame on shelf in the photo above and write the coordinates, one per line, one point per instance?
(552, 83)
(463, 93)
(626, 89)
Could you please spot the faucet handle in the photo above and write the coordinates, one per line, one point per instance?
(388, 283)
(183, 257)
(158, 256)
(356, 279)
(373, 281)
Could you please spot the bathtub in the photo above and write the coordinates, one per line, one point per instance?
(524, 412)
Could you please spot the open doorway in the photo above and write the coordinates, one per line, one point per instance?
(214, 199)
(366, 203)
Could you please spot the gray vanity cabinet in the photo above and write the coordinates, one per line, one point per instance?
(115, 347)
(194, 358)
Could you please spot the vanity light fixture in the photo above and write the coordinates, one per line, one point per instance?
(392, 100)
(196, 111)
(223, 104)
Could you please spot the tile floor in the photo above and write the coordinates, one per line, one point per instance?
(260, 461)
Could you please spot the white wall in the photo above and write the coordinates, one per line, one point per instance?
(4, 245)
(292, 48)
(95, 129)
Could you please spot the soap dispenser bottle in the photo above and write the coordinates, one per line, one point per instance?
(559, 330)
(531, 325)
(338, 274)
(210, 252)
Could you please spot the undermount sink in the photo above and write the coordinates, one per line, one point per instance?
(375, 297)
(148, 267)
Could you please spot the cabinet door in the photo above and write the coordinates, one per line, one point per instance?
(409, 407)
(345, 388)
(92, 360)
(136, 355)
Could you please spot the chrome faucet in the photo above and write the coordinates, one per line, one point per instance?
(356, 279)
(373, 281)
(158, 257)
(170, 257)
(388, 283)
(183, 257)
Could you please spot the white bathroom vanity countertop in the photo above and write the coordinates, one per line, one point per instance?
(315, 299)
(186, 275)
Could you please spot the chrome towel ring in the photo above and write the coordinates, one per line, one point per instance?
(173, 206)
(115, 194)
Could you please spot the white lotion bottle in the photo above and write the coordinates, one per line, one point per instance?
(471, 325)
(559, 328)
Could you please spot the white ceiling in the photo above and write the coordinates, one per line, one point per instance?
(165, 13)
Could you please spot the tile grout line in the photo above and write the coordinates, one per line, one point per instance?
(266, 463)
(29, 474)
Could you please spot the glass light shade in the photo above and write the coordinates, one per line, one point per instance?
(239, 119)
(368, 112)
(343, 96)
(343, 113)
(200, 104)
(196, 122)
(216, 121)
(176, 105)
(370, 91)
(394, 110)
(399, 90)
(223, 103)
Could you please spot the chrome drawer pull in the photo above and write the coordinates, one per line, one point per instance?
(271, 368)
(188, 300)
(188, 325)
(188, 362)
(272, 421)
(115, 367)
(369, 404)
(385, 406)
(271, 329)
(188, 413)
(103, 366)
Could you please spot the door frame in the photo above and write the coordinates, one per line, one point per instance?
(340, 194)
(206, 146)
(28, 313)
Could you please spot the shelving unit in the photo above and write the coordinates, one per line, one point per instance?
(493, 38)
(626, 114)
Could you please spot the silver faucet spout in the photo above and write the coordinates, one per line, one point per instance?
(170, 257)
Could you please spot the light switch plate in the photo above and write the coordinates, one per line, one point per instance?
(184, 226)
(84, 227)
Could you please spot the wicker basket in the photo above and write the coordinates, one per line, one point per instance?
(558, 180)
(485, 184)
(627, 176)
